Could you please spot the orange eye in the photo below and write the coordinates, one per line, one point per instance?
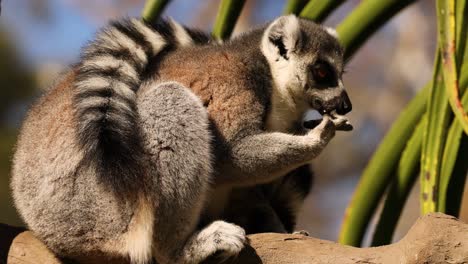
(322, 73)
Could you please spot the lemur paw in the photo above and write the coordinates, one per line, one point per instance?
(341, 122)
(224, 238)
(324, 131)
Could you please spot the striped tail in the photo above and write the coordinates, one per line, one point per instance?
(108, 77)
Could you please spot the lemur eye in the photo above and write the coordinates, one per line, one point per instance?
(323, 74)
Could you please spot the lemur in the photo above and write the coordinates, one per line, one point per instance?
(158, 127)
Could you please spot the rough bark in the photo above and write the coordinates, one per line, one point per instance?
(435, 238)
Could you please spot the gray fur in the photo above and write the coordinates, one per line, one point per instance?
(130, 165)
(254, 112)
(177, 140)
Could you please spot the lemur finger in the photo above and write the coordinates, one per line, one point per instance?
(324, 131)
(341, 122)
(325, 123)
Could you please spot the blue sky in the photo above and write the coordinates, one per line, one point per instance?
(60, 37)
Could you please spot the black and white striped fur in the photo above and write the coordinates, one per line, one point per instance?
(110, 73)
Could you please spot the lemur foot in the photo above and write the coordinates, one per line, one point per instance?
(301, 232)
(224, 239)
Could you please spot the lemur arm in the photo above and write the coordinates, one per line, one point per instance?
(262, 158)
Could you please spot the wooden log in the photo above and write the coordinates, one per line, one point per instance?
(435, 238)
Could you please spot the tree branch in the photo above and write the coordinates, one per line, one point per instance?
(435, 238)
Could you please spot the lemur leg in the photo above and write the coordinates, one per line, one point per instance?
(251, 209)
(264, 157)
(287, 195)
(272, 207)
(178, 142)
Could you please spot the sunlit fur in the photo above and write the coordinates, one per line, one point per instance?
(123, 157)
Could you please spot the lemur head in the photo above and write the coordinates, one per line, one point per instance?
(306, 62)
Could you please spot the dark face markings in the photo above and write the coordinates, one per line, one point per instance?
(324, 74)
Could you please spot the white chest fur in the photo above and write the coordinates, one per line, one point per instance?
(284, 113)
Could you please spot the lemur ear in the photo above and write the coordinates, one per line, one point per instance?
(332, 32)
(281, 37)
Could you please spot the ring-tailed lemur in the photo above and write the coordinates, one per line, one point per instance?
(124, 155)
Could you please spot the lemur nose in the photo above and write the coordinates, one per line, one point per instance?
(345, 105)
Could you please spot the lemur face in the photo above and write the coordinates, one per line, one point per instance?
(306, 61)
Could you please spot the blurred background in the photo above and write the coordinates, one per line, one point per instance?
(39, 38)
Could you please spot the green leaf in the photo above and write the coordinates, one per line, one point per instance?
(454, 166)
(438, 115)
(228, 13)
(365, 19)
(447, 43)
(357, 27)
(407, 173)
(401, 186)
(318, 10)
(380, 170)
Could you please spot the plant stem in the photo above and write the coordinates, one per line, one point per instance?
(447, 43)
(153, 9)
(228, 13)
(434, 140)
(454, 166)
(407, 173)
(318, 10)
(365, 19)
(379, 171)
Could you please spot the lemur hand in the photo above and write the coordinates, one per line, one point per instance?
(324, 131)
(341, 122)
